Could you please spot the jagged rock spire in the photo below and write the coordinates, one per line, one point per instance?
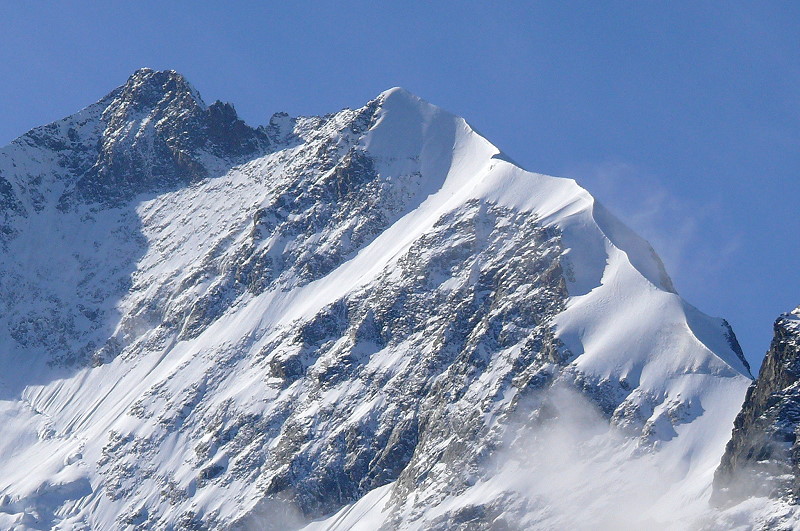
(157, 134)
(146, 88)
(763, 456)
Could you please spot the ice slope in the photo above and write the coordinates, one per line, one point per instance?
(347, 318)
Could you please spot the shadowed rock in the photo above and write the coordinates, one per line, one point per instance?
(763, 456)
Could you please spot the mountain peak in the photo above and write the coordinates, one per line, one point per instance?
(157, 133)
(397, 93)
(399, 98)
(147, 88)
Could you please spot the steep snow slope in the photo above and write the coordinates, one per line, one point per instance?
(210, 325)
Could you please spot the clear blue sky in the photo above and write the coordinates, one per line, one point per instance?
(683, 117)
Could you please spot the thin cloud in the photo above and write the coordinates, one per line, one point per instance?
(686, 232)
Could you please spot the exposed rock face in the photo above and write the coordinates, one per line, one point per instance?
(157, 134)
(763, 455)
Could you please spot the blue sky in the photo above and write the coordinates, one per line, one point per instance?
(683, 117)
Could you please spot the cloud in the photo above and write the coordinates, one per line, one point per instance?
(561, 466)
(576, 471)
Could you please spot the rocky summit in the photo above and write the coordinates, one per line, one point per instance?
(369, 318)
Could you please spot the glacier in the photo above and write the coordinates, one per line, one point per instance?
(369, 318)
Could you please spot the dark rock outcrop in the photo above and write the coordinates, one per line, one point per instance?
(763, 456)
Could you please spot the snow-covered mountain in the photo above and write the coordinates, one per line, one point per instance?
(370, 318)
